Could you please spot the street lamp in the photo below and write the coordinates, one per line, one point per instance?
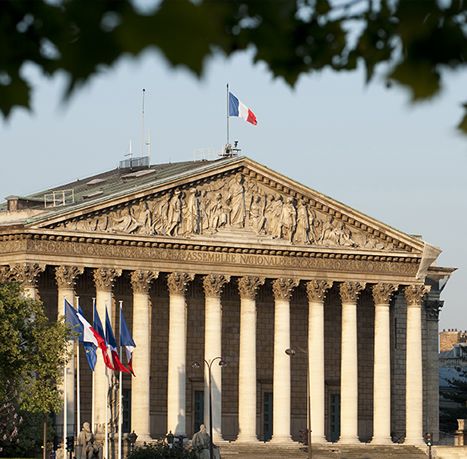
(290, 353)
(196, 364)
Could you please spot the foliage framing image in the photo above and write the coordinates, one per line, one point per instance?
(415, 42)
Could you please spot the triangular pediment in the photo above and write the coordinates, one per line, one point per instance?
(232, 201)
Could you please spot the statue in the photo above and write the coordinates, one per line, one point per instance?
(237, 201)
(201, 440)
(85, 445)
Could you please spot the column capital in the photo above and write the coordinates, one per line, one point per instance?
(316, 290)
(350, 291)
(382, 293)
(415, 293)
(5, 274)
(213, 284)
(104, 278)
(27, 273)
(65, 276)
(283, 288)
(178, 282)
(141, 280)
(248, 286)
(433, 308)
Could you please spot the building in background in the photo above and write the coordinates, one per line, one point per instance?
(230, 259)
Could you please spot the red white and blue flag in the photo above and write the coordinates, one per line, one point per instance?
(109, 334)
(105, 348)
(126, 341)
(237, 108)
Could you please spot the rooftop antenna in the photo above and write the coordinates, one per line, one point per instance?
(130, 154)
(142, 125)
(148, 143)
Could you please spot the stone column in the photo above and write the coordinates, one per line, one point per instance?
(349, 292)
(414, 369)
(316, 290)
(213, 284)
(382, 294)
(104, 279)
(247, 287)
(140, 385)
(65, 277)
(431, 346)
(27, 274)
(282, 289)
(176, 384)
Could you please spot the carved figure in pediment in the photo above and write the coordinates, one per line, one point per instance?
(275, 212)
(257, 219)
(237, 201)
(192, 212)
(303, 225)
(315, 225)
(133, 219)
(219, 216)
(328, 236)
(174, 215)
(288, 220)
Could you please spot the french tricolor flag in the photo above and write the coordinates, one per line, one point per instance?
(237, 108)
(109, 334)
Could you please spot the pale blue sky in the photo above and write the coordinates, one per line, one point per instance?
(364, 146)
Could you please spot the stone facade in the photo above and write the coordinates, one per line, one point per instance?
(230, 259)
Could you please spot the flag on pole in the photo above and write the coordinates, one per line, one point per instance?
(72, 318)
(89, 347)
(89, 334)
(105, 347)
(237, 108)
(126, 341)
(109, 335)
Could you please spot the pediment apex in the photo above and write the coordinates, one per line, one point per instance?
(237, 199)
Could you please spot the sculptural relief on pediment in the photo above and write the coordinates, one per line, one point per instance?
(233, 203)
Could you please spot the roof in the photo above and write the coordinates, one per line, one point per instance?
(113, 183)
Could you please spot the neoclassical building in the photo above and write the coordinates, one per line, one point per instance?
(230, 259)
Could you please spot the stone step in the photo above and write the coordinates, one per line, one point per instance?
(449, 452)
(330, 451)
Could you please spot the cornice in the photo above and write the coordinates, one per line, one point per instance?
(27, 241)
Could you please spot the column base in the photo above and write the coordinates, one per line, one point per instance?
(381, 441)
(318, 440)
(246, 439)
(281, 440)
(217, 438)
(348, 441)
(414, 441)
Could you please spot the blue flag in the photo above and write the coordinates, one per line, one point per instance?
(72, 318)
(126, 341)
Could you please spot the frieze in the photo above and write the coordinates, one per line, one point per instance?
(407, 267)
(236, 202)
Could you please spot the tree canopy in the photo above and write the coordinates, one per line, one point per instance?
(33, 352)
(412, 43)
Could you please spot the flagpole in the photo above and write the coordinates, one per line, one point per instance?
(120, 390)
(65, 411)
(78, 385)
(93, 377)
(106, 405)
(228, 113)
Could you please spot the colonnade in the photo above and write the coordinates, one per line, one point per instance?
(282, 288)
